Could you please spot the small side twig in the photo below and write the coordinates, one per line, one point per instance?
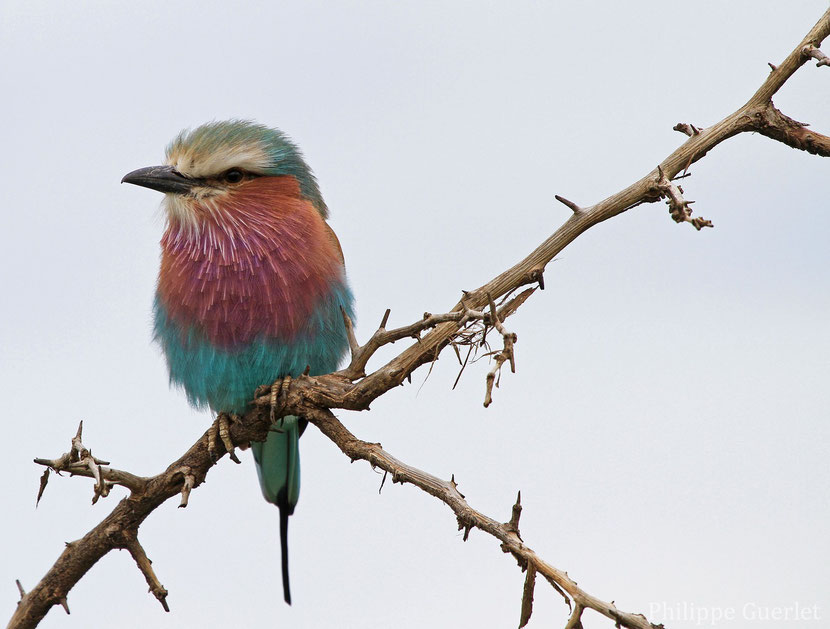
(354, 346)
(79, 461)
(527, 595)
(817, 54)
(570, 204)
(678, 206)
(688, 129)
(506, 355)
(146, 566)
(513, 524)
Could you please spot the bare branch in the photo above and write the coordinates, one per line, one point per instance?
(313, 397)
(447, 492)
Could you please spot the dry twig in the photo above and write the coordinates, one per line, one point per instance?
(812, 51)
(678, 206)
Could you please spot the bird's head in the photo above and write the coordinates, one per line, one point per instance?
(211, 164)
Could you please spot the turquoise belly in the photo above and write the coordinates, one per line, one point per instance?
(224, 379)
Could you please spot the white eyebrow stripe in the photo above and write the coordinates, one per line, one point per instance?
(194, 163)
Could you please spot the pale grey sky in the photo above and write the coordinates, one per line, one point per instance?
(668, 424)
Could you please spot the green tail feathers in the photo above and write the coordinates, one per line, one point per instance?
(278, 467)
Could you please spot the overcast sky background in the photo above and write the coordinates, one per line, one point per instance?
(668, 424)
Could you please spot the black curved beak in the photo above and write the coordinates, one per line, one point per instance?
(162, 178)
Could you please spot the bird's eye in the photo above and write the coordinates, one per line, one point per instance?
(234, 175)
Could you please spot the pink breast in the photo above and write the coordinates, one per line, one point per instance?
(261, 262)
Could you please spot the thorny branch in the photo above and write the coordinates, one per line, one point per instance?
(80, 462)
(351, 388)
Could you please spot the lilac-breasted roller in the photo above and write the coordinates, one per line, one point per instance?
(251, 284)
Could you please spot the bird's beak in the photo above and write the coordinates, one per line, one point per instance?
(161, 178)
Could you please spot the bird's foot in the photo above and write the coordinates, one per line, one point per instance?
(220, 429)
(278, 392)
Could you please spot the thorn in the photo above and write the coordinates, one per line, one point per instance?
(20, 589)
(455, 486)
(385, 319)
(465, 526)
(513, 524)
(307, 370)
(65, 605)
(772, 66)
(536, 275)
(43, 480)
(573, 206)
(457, 353)
(383, 480)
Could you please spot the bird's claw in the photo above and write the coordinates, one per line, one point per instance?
(220, 429)
(278, 392)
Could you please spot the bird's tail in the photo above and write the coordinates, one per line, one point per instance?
(278, 467)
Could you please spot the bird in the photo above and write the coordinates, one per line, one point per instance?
(252, 286)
